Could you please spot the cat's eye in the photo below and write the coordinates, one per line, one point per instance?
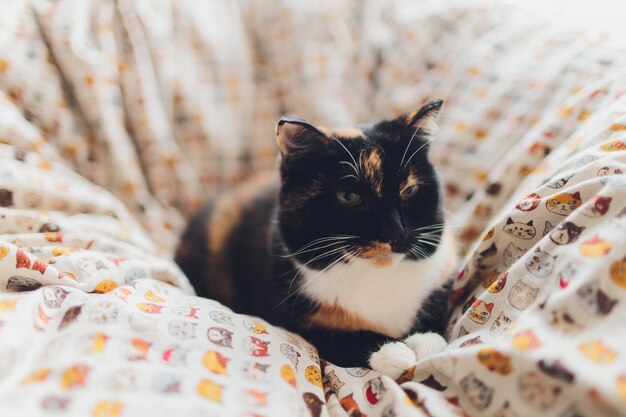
(348, 198)
(408, 192)
(573, 202)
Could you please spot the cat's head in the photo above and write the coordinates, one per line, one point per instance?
(367, 192)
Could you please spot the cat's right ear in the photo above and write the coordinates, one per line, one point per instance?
(297, 138)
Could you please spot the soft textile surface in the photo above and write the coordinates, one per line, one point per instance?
(116, 117)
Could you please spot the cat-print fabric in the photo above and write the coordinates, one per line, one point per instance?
(117, 117)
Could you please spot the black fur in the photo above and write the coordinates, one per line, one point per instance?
(258, 255)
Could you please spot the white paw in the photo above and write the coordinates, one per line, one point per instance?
(392, 359)
(426, 344)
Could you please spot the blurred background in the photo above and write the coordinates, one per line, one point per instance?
(162, 102)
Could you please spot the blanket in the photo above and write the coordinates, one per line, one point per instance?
(118, 117)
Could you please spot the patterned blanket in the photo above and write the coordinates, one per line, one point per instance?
(117, 117)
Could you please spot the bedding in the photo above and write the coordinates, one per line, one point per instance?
(117, 117)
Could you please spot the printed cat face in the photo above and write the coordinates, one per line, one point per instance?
(54, 296)
(521, 295)
(566, 233)
(291, 353)
(255, 346)
(560, 183)
(495, 361)
(182, 329)
(594, 300)
(595, 247)
(604, 171)
(597, 207)
(540, 263)
(564, 204)
(499, 284)
(360, 182)
(566, 275)
(618, 273)
(547, 228)
(529, 203)
(483, 259)
(479, 394)
(564, 322)
(520, 230)
(538, 392)
(500, 325)
(220, 336)
(512, 254)
(255, 372)
(480, 312)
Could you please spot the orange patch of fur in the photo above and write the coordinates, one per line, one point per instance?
(378, 253)
(372, 170)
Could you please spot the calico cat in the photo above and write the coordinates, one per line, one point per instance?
(348, 248)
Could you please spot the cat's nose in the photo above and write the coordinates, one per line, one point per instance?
(393, 229)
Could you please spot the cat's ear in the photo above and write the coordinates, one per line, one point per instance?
(425, 118)
(489, 307)
(509, 221)
(530, 223)
(576, 195)
(297, 137)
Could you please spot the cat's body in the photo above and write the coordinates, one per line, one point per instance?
(347, 248)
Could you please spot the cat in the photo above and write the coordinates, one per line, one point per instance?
(521, 296)
(512, 254)
(563, 321)
(520, 230)
(480, 311)
(479, 394)
(500, 325)
(495, 361)
(540, 263)
(564, 204)
(538, 392)
(341, 247)
(597, 207)
(594, 300)
(566, 233)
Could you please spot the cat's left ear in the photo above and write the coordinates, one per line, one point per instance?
(297, 137)
(424, 118)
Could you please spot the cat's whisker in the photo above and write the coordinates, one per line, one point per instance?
(415, 153)
(434, 245)
(349, 153)
(356, 171)
(339, 261)
(317, 247)
(301, 268)
(323, 240)
(409, 145)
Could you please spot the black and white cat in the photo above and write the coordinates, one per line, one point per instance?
(348, 248)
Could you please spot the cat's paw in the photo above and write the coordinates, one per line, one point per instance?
(392, 359)
(426, 344)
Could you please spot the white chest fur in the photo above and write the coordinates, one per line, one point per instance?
(389, 297)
